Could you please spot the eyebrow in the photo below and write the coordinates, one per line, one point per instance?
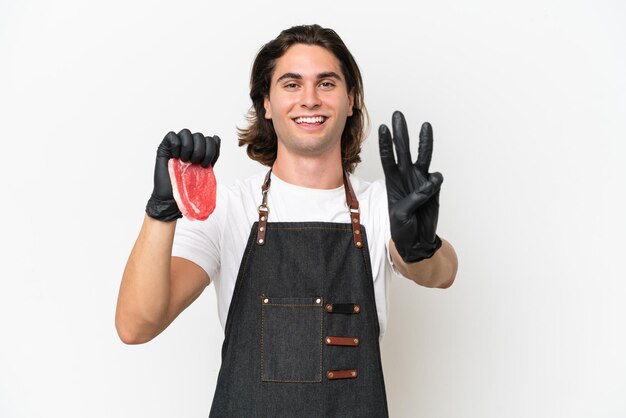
(296, 76)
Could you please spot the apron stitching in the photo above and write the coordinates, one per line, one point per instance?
(293, 381)
(262, 346)
(237, 289)
(309, 228)
(321, 338)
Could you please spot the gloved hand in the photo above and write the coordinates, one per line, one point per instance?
(412, 192)
(195, 148)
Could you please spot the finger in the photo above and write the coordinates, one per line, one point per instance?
(436, 179)
(199, 148)
(186, 147)
(405, 207)
(209, 153)
(385, 147)
(414, 200)
(401, 141)
(218, 145)
(172, 142)
(432, 185)
(425, 151)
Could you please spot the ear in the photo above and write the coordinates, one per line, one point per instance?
(351, 101)
(268, 107)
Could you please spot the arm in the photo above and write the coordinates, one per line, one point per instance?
(437, 271)
(157, 287)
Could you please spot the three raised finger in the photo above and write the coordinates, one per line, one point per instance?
(425, 150)
(401, 141)
(385, 147)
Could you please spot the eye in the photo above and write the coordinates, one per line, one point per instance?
(327, 85)
(291, 86)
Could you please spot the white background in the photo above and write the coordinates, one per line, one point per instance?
(527, 101)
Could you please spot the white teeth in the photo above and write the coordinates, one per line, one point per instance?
(316, 119)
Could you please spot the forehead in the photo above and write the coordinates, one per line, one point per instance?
(307, 60)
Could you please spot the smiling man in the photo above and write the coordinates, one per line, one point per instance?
(308, 104)
(301, 255)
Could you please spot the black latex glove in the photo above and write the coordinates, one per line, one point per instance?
(194, 148)
(412, 192)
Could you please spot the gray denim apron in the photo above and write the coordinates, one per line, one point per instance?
(301, 337)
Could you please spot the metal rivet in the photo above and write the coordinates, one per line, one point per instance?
(261, 229)
(265, 300)
(328, 340)
(318, 300)
(329, 308)
(355, 220)
(261, 241)
(357, 232)
(358, 244)
(262, 218)
(353, 374)
(357, 308)
(356, 341)
(330, 375)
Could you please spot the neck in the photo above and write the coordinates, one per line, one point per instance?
(310, 172)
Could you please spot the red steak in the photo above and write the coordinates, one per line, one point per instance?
(194, 188)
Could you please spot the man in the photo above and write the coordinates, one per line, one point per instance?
(301, 255)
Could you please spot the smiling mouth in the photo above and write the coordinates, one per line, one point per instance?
(315, 120)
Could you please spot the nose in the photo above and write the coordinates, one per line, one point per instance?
(310, 97)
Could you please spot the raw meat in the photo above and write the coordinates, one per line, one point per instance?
(194, 188)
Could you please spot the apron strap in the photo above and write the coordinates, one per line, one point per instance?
(351, 200)
(264, 210)
(353, 207)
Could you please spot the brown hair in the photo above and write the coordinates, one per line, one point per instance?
(260, 136)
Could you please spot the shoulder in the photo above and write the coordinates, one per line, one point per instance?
(365, 189)
(239, 199)
(372, 197)
(245, 185)
(242, 189)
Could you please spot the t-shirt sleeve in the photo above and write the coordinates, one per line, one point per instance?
(199, 241)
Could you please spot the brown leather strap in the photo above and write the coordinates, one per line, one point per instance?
(345, 341)
(264, 210)
(351, 200)
(355, 214)
(343, 308)
(341, 374)
(266, 183)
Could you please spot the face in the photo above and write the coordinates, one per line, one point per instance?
(308, 101)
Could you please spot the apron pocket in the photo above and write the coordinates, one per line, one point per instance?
(291, 339)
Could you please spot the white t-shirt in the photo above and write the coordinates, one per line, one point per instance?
(217, 244)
